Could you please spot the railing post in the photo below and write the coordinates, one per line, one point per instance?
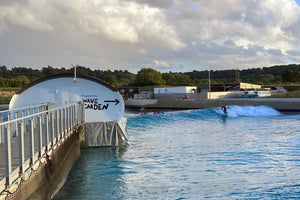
(8, 116)
(17, 130)
(24, 121)
(70, 119)
(8, 167)
(65, 121)
(81, 112)
(31, 141)
(76, 114)
(61, 124)
(40, 134)
(33, 112)
(23, 113)
(52, 127)
(47, 130)
(72, 116)
(21, 147)
(57, 126)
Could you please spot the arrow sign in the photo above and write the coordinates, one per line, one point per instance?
(113, 101)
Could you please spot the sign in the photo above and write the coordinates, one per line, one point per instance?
(92, 102)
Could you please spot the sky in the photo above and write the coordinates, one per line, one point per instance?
(167, 35)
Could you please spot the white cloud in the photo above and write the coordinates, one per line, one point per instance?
(23, 16)
(161, 63)
(139, 33)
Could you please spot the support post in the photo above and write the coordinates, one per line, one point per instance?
(47, 130)
(8, 167)
(40, 134)
(60, 124)
(52, 136)
(17, 129)
(31, 141)
(57, 125)
(21, 147)
(65, 122)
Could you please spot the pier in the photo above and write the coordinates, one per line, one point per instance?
(38, 146)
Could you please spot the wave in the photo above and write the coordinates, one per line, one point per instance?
(210, 114)
(249, 111)
(232, 111)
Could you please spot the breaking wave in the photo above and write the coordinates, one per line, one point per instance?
(249, 111)
(144, 120)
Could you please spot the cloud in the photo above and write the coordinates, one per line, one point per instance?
(131, 34)
(23, 16)
(161, 63)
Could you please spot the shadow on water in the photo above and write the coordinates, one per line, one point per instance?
(223, 118)
(97, 174)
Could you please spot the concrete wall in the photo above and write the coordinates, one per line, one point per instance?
(281, 104)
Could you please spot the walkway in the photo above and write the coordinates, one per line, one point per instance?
(28, 134)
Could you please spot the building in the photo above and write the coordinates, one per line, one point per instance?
(176, 90)
(234, 87)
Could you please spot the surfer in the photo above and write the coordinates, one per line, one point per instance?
(224, 109)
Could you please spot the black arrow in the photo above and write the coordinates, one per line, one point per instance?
(112, 101)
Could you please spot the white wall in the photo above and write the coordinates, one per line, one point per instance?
(172, 90)
(249, 86)
(218, 95)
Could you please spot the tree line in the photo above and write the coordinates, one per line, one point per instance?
(20, 76)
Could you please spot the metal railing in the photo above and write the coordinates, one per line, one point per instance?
(27, 138)
(6, 115)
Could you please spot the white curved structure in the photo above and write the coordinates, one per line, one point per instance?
(103, 103)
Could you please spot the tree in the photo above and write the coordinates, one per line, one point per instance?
(112, 80)
(148, 76)
(177, 79)
(288, 76)
(23, 80)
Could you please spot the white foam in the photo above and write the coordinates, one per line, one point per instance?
(253, 111)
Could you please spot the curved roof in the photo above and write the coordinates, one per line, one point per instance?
(64, 76)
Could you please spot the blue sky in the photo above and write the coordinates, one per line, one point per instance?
(168, 35)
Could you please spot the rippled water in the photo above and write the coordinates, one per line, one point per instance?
(253, 153)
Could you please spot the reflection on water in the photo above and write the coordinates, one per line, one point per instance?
(96, 172)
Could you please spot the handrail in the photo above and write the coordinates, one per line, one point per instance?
(23, 111)
(27, 139)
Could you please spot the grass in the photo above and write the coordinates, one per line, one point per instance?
(9, 88)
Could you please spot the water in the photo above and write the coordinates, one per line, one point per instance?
(253, 153)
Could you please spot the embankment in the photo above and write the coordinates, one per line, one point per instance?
(280, 104)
